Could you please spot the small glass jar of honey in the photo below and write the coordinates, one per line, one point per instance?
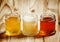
(13, 24)
(30, 25)
(48, 23)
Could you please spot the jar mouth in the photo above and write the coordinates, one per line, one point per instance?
(49, 15)
(30, 18)
(6, 17)
(49, 19)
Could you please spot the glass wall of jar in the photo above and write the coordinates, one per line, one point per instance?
(47, 24)
(2, 25)
(13, 24)
(30, 25)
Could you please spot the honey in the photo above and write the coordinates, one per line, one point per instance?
(47, 26)
(12, 25)
(30, 26)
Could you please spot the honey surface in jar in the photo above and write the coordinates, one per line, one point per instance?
(47, 26)
(12, 26)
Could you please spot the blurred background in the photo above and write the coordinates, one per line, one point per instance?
(24, 6)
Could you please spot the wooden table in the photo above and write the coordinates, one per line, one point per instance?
(53, 38)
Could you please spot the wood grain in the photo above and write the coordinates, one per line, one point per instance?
(54, 38)
(59, 33)
(59, 11)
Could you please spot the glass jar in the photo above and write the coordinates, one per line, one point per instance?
(13, 24)
(30, 25)
(2, 25)
(47, 24)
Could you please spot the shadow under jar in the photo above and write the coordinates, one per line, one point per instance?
(47, 25)
(12, 24)
(30, 25)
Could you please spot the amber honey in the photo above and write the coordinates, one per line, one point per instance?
(12, 25)
(47, 26)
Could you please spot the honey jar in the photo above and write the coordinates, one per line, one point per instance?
(48, 23)
(13, 24)
(30, 25)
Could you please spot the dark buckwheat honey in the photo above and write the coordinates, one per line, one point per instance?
(47, 26)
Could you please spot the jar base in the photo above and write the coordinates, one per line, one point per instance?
(12, 34)
(45, 34)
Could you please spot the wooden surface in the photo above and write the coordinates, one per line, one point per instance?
(25, 7)
(54, 38)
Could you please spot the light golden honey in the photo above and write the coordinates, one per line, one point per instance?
(30, 28)
(12, 26)
(30, 25)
